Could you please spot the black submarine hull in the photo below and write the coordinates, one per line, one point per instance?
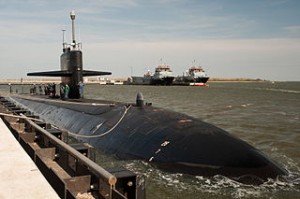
(172, 141)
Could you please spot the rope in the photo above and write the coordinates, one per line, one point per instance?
(83, 136)
(98, 126)
(74, 134)
(63, 101)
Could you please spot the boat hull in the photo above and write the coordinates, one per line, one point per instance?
(172, 141)
(162, 81)
(192, 80)
(201, 79)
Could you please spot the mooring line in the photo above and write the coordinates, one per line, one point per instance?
(102, 134)
(74, 134)
(64, 101)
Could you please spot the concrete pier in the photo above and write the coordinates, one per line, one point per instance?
(19, 176)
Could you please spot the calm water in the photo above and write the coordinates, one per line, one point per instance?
(266, 115)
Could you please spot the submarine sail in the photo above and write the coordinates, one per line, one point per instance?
(71, 65)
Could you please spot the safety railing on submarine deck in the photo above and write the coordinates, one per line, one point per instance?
(95, 168)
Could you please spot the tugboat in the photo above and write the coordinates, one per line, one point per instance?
(162, 76)
(195, 75)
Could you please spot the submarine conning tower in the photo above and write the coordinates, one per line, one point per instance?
(71, 65)
(71, 60)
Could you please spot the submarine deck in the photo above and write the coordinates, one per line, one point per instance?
(144, 133)
(19, 176)
(67, 100)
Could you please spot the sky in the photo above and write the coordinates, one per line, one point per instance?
(228, 38)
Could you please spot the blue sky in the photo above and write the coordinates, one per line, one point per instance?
(229, 38)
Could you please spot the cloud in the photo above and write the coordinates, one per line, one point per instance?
(230, 40)
(255, 58)
(293, 31)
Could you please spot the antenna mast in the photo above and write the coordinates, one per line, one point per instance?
(63, 37)
(72, 15)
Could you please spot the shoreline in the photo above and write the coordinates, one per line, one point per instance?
(112, 81)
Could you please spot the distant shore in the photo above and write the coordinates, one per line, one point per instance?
(107, 81)
(236, 80)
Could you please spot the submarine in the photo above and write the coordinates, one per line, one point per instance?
(169, 140)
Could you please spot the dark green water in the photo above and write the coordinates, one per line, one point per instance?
(266, 115)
